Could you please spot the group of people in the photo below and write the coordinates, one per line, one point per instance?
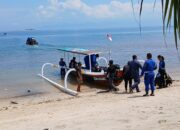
(73, 64)
(90, 63)
(131, 71)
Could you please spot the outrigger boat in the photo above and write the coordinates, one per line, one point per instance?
(88, 74)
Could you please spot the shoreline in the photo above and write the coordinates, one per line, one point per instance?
(90, 111)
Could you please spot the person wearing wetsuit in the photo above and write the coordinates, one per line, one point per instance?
(73, 63)
(127, 77)
(63, 67)
(148, 72)
(110, 75)
(134, 69)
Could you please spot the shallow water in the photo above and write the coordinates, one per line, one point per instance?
(20, 64)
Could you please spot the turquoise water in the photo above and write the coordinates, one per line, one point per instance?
(20, 64)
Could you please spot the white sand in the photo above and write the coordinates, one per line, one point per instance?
(92, 111)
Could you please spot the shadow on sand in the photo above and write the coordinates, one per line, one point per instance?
(136, 96)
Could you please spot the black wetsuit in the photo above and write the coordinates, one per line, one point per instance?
(127, 77)
(110, 75)
(62, 65)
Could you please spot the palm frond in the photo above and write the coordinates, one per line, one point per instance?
(170, 12)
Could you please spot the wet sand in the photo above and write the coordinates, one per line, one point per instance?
(90, 110)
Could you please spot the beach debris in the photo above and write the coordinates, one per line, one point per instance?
(13, 102)
(46, 129)
(162, 121)
(29, 91)
(4, 108)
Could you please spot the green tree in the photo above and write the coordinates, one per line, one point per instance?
(170, 13)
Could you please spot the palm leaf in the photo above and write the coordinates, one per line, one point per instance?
(170, 12)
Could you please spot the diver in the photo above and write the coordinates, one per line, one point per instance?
(73, 63)
(148, 72)
(111, 71)
(134, 70)
(63, 67)
(127, 77)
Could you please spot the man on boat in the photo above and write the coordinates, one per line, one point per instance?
(93, 59)
(73, 63)
(134, 70)
(111, 71)
(148, 72)
(63, 67)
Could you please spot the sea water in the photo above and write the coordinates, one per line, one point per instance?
(20, 64)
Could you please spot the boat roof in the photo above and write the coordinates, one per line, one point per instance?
(79, 51)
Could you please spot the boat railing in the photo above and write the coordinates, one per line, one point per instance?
(104, 59)
(59, 86)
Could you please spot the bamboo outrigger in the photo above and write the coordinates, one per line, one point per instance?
(87, 73)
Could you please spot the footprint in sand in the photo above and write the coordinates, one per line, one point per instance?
(162, 121)
(160, 108)
(161, 112)
(61, 126)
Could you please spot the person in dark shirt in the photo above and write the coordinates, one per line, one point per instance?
(127, 77)
(73, 63)
(111, 71)
(161, 71)
(134, 69)
(79, 76)
(63, 67)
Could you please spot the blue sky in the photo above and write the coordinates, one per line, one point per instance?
(75, 14)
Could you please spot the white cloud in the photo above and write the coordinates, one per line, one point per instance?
(115, 9)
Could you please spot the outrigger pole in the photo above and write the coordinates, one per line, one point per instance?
(62, 88)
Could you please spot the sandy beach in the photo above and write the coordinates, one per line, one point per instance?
(90, 110)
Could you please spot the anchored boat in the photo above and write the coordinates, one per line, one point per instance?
(89, 73)
(31, 41)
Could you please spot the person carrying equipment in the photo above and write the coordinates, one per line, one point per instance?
(111, 71)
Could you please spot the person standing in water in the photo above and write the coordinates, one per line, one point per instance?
(79, 76)
(72, 63)
(134, 70)
(148, 72)
(63, 67)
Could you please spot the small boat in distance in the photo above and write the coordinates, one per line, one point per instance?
(4, 34)
(31, 41)
(30, 29)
